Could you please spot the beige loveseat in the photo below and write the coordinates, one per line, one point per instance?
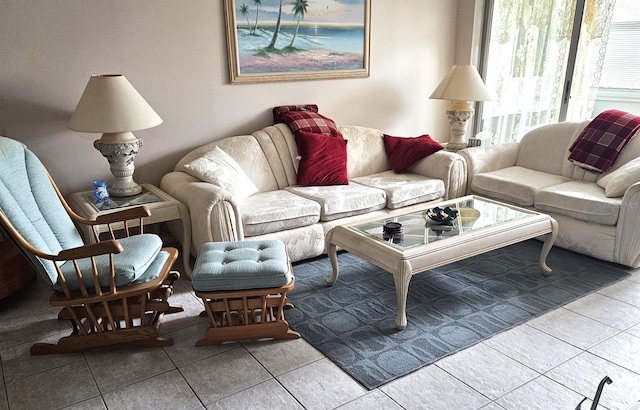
(597, 214)
(301, 216)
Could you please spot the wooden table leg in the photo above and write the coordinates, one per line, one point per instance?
(401, 280)
(332, 251)
(549, 239)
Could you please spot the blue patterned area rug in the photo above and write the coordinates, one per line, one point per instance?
(448, 308)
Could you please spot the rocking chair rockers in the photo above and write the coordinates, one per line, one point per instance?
(114, 292)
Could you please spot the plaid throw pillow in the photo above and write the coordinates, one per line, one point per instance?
(278, 112)
(310, 122)
(599, 144)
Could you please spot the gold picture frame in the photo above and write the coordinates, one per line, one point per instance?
(284, 40)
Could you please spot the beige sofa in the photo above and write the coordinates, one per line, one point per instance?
(597, 214)
(301, 216)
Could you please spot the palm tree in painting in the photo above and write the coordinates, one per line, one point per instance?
(299, 10)
(244, 10)
(257, 3)
(277, 30)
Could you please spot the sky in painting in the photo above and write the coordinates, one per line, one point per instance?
(319, 11)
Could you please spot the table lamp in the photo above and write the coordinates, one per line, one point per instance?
(463, 85)
(112, 106)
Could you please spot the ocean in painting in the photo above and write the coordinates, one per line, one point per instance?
(318, 48)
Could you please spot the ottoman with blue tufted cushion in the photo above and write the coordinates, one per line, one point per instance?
(243, 286)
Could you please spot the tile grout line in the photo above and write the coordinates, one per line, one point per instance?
(273, 377)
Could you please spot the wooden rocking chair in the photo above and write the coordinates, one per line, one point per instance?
(114, 292)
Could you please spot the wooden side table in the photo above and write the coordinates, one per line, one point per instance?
(15, 270)
(163, 208)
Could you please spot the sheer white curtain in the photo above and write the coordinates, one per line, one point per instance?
(528, 52)
(592, 48)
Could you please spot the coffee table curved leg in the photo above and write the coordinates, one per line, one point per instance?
(332, 251)
(549, 239)
(401, 280)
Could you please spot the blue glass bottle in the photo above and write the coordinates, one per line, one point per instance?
(100, 194)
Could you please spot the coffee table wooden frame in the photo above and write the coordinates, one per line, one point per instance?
(403, 264)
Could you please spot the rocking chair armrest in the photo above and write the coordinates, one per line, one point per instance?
(87, 251)
(123, 215)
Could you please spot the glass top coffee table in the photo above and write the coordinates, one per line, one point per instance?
(419, 244)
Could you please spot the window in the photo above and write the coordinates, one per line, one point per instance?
(557, 60)
(620, 80)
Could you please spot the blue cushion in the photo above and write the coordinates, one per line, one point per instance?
(241, 265)
(30, 202)
(140, 251)
(154, 269)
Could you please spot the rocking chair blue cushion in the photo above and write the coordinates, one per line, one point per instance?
(29, 200)
(139, 253)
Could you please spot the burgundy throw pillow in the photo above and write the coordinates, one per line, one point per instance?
(323, 160)
(282, 109)
(403, 152)
(310, 122)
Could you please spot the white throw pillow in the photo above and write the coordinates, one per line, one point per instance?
(617, 182)
(218, 168)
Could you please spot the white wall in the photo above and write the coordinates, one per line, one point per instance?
(174, 53)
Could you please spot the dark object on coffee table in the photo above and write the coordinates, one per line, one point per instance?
(441, 215)
(393, 231)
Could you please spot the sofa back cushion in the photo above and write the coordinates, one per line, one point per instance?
(279, 146)
(365, 151)
(218, 168)
(247, 152)
(545, 148)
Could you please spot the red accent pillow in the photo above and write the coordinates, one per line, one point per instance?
(280, 110)
(310, 122)
(403, 152)
(323, 160)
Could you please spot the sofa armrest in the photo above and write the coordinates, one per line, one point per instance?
(214, 212)
(447, 166)
(487, 159)
(627, 247)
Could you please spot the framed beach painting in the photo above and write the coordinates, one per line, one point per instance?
(292, 40)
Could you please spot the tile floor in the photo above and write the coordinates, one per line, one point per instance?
(551, 362)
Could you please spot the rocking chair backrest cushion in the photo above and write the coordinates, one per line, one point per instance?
(29, 201)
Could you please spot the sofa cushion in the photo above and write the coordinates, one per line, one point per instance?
(580, 200)
(338, 201)
(404, 189)
(279, 148)
(365, 151)
(544, 148)
(404, 152)
(517, 185)
(275, 211)
(311, 122)
(617, 182)
(218, 168)
(323, 159)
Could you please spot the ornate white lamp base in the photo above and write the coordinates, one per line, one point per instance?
(120, 149)
(459, 114)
